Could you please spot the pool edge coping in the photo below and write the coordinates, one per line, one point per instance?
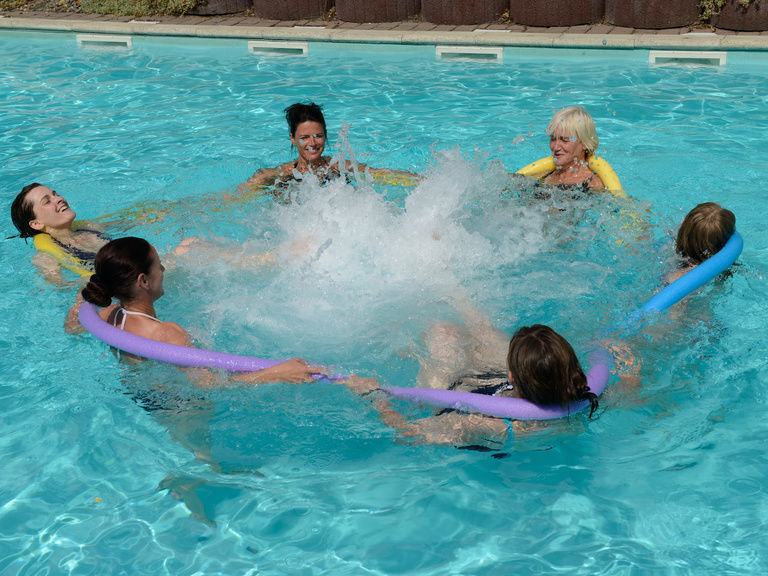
(481, 37)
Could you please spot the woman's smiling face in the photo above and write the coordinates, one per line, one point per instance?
(50, 209)
(309, 140)
(566, 149)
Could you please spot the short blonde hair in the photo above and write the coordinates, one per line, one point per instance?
(578, 123)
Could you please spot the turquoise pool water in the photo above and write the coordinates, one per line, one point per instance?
(670, 477)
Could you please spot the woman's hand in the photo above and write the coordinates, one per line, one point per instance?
(72, 322)
(293, 371)
(360, 385)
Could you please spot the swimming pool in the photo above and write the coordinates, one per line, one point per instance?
(672, 474)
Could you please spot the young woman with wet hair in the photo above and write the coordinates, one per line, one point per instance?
(129, 270)
(38, 212)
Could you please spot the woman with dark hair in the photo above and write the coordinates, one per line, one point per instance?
(129, 270)
(41, 214)
(541, 367)
(308, 135)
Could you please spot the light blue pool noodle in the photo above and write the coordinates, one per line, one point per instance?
(697, 277)
(171, 353)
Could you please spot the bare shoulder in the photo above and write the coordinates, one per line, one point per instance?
(283, 169)
(107, 313)
(596, 182)
(673, 275)
(171, 333)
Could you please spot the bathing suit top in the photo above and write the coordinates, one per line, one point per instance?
(486, 383)
(75, 259)
(576, 187)
(127, 313)
(80, 254)
(324, 175)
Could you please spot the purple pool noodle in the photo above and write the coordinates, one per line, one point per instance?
(170, 353)
(502, 407)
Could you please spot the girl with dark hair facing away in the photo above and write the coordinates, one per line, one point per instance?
(40, 213)
(130, 270)
(541, 367)
(308, 134)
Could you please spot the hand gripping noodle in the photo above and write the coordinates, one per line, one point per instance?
(597, 377)
(171, 353)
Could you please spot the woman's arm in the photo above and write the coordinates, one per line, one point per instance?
(266, 177)
(72, 321)
(293, 371)
(450, 429)
(49, 267)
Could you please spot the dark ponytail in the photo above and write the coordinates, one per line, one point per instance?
(96, 293)
(118, 264)
(592, 397)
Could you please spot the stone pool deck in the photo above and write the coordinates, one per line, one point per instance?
(407, 32)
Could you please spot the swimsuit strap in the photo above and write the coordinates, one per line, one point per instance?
(95, 232)
(86, 256)
(490, 388)
(127, 313)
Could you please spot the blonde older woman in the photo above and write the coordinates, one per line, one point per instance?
(574, 162)
(572, 139)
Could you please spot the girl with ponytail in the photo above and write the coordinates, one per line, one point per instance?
(129, 270)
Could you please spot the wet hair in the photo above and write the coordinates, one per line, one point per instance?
(545, 368)
(117, 265)
(300, 112)
(704, 231)
(22, 212)
(578, 123)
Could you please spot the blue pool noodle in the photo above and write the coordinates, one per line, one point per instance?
(697, 277)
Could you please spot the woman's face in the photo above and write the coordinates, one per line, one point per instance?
(309, 140)
(566, 149)
(50, 209)
(155, 276)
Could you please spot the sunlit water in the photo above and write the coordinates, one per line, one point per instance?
(671, 475)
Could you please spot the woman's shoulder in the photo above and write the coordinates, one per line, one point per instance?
(596, 182)
(286, 169)
(108, 313)
(171, 333)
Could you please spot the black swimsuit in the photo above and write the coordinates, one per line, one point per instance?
(86, 256)
(486, 383)
(326, 176)
(578, 189)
